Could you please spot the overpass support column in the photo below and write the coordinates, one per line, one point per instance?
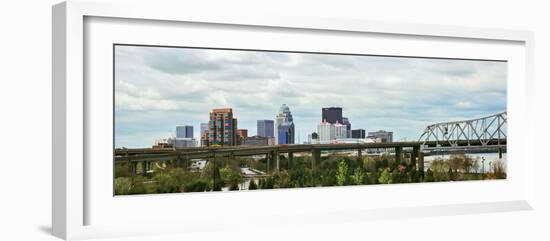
(178, 162)
(290, 159)
(144, 168)
(267, 159)
(359, 160)
(132, 167)
(414, 155)
(316, 158)
(276, 160)
(398, 153)
(421, 165)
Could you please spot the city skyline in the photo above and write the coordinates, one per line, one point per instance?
(157, 89)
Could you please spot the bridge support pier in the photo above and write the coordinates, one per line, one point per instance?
(500, 153)
(398, 154)
(316, 154)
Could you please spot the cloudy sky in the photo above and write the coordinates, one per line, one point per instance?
(158, 88)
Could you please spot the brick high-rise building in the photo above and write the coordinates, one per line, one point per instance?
(222, 128)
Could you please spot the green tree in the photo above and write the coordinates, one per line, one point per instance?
(261, 183)
(252, 185)
(440, 169)
(231, 175)
(341, 173)
(283, 180)
(498, 170)
(358, 177)
(268, 183)
(385, 177)
(211, 173)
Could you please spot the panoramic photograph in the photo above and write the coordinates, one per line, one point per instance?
(216, 120)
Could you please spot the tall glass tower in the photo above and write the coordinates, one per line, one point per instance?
(284, 126)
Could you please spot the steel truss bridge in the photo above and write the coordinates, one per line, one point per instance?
(482, 134)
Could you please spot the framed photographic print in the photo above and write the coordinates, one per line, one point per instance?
(178, 115)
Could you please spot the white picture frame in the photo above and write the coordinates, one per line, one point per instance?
(73, 193)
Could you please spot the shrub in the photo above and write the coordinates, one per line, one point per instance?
(196, 186)
(234, 187)
(123, 186)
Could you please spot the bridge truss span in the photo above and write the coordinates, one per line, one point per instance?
(488, 130)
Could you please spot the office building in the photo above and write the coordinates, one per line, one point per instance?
(345, 121)
(241, 135)
(340, 131)
(358, 134)
(284, 126)
(222, 128)
(332, 114)
(385, 136)
(265, 128)
(185, 131)
(326, 131)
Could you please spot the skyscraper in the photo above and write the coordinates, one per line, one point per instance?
(265, 128)
(185, 131)
(222, 128)
(332, 114)
(284, 126)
